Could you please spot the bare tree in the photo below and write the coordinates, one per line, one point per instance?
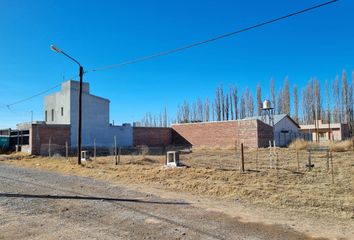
(185, 112)
(272, 92)
(227, 106)
(207, 110)
(231, 105)
(251, 105)
(296, 104)
(222, 99)
(259, 99)
(165, 117)
(336, 98)
(328, 101)
(351, 106)
(280, 104)
(286, 99)
(304, 106)
(194, 112)
(345, 99)
(200, 110)
(317, 98)
(235, 100)
(243, 106)
(217, 104)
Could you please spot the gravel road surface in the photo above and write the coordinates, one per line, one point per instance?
(45, 205)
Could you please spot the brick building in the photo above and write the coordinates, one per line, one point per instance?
(252, 133)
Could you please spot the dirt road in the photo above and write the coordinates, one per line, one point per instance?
(44, 205)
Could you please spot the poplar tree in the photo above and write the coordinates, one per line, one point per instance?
(231, 104)
(336, 98)
(296, 104)
(272, 93)
(280, 104)
(259, 99)
(235, 99)
(286, 99)
(200, 110)
(207, 110)
(345, 102)
(227, 107)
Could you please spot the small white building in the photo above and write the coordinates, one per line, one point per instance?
(285, 129)
(62, 108)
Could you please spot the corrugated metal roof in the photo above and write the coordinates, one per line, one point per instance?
(277, 118)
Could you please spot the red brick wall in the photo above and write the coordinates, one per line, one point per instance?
(265, 133)
(152, 136)
(40, 134)
(252, 133)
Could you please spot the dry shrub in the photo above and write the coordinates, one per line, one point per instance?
(299, 144)
(199, 148)
(341, 146)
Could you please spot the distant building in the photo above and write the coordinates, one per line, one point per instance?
(332, 131)
(62, 108)
(285, 129)
(59, 127)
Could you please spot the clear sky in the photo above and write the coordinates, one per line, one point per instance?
(99, 33)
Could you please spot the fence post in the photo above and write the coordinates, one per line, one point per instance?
(327, 167)
(119, 153)
(309, 163)
(257, 158)
(332, 167)
(115, 150)
(67, 150)
(242, 168)
(49, 150)
(270, 154)
(297, 159)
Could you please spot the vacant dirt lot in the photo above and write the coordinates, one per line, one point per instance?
(289, 187)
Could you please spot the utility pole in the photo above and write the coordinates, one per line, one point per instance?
(79, 125)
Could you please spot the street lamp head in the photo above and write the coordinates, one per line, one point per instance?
(55, 49)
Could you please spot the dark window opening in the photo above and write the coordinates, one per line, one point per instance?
(52, 115)
(62, 111)
(45, 115)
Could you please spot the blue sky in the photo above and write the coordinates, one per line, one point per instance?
(98, 33)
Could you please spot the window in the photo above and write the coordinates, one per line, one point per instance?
(52, 115)
(46, 115)
(62, 111)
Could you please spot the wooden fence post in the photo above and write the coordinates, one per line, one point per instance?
(297, 159)
(242, 168)
(332, 167)
(309, 163)
(119, 153)
(257, 158)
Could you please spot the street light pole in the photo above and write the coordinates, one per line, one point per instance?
(79, 124)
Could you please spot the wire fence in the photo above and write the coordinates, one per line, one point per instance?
(315, 159)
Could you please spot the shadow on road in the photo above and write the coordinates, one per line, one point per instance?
(20, 195)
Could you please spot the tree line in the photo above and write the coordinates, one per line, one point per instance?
(329, 101)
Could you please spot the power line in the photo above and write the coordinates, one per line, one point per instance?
(33, 96)
(129, 62)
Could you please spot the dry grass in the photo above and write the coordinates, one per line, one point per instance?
(341, 146)
(215, 173)
(300, 144)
